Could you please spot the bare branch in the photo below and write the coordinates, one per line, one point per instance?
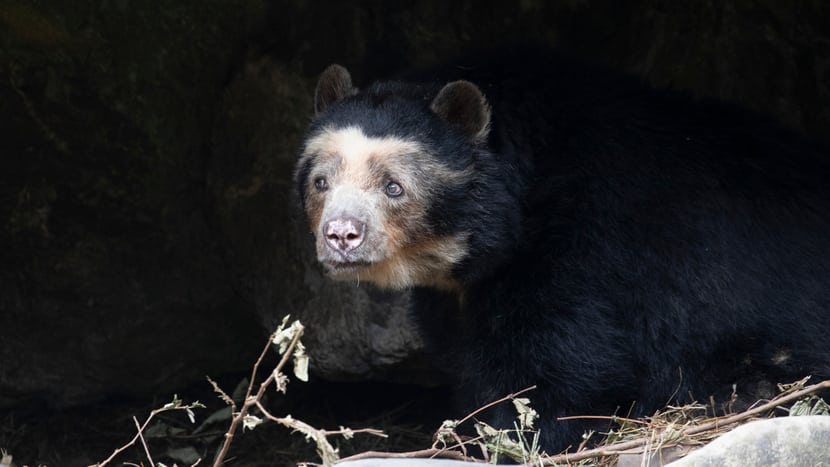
(422, 454)
(175, 405)
(714, 424)
(496, 402)
(143, 442)
(251, 401)
(222, 394)
(611, 450)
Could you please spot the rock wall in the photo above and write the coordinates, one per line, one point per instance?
(111, 277)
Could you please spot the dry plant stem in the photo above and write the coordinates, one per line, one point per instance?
(434, 452)
(496, 402)
(143, 442)
(251, 401)
(135, 438)
(602, 451)
(304, 427)
(461, 444)
(422, 454)
(605, 417)
(716, 423)
(775, 402)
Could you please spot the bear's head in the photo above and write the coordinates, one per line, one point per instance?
(392, 179)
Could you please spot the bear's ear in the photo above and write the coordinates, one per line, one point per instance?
(462, 105)
(334, 84)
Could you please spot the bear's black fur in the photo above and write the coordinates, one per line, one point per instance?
(628, 247)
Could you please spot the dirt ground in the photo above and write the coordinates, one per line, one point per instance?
(87, 435)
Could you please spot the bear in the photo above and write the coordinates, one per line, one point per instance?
(618, 246)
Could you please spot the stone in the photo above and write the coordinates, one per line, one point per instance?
(775, 442)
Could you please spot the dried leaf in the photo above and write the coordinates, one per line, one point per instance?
(346, 432)
(249, 422)
(280, 381)
(526, 414)
(283, 335)
(301, 362)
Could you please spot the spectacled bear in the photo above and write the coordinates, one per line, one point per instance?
(620, 247)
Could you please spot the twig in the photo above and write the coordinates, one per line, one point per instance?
(496, 402)
(143, 442)
(290, 422)
(251, 401)
(601, 451)
(612, 418)
(132, 441)
(422, 454)
(460, 444)
(716, 423)
(139, 434)
(222, 394)
(775, 402)
(444, 452)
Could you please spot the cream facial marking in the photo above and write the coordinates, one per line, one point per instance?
(353, 158)
(364, 232)
(355, 148)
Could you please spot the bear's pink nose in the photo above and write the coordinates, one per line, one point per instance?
(344, 234)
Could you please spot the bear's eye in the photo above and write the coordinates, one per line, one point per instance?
(393, 190)
(321, 184)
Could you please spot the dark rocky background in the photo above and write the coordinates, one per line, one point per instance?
(147, 232)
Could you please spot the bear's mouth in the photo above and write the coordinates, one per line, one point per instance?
(340, 267)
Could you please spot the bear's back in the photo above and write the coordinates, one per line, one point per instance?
(671, 248)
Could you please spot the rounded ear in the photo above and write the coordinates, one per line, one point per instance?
(461, 104)
(334, 84)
